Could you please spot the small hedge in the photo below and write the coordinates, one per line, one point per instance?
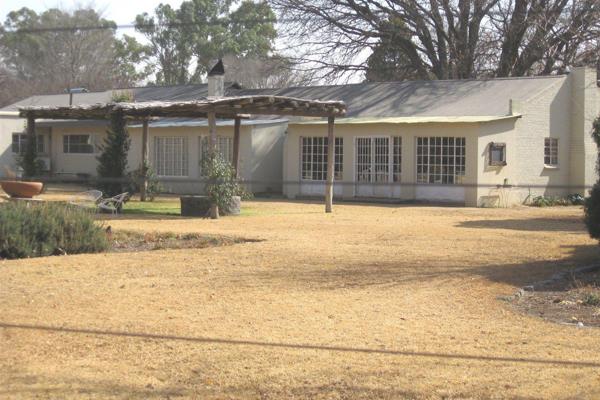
(551, 201)
(48, 229)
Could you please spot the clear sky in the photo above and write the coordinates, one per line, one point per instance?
(120, 11)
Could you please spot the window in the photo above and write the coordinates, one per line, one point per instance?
(551, 152)
(497, 154)
(170, 156)
(377, 158)
(440, 160)
(19, 143)
(224, 147)
(78, 144)
(314, 158)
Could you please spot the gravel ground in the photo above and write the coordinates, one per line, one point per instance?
(371, 301)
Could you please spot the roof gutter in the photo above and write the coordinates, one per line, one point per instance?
(9, 113)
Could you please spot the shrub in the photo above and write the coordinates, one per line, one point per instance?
(28, 160)
(112, 163)
(48, 229)
(222, 183)
(592, 203)
(576, 199)
(551, 201)
(591, 299)
(154, 185)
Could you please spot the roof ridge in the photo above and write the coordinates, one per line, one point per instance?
(426, 80)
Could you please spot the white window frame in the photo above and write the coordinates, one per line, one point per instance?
(338, 163)
(66, 142)
(161, 156)
(552, 150)
(22, 139)
(394, 160)
(224, 147)
(458, 170)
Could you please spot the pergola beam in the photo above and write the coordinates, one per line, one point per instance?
(228, 107)
(210, 108)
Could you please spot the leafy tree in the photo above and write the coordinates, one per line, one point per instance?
(222, 183)
(443, 39)
(592, 204)
(112, 161)
(184, 41)
(388, 61)
(49, 52)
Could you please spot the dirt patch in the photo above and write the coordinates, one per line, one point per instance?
(130, 241)
(571, 298)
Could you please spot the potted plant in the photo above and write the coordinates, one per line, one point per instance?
(19, 189)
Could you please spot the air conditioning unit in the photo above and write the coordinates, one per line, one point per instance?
(45, 161)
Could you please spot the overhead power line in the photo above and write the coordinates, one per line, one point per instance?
(131, 26)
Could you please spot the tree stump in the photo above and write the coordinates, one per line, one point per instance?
(234, 207)
(194, 206)
(199, 206)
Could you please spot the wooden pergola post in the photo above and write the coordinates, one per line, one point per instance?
(145, 159)
(330, 164)
(236, 146)
(212, 131)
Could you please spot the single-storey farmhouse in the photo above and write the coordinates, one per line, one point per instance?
(488, 142)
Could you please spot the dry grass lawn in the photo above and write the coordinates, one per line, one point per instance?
(387, 302)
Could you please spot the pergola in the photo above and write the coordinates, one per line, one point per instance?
(211, 108)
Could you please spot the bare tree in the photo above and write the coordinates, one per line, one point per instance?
(261, 73)
(443, 39)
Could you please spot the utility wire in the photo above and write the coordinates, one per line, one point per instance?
(131, 26)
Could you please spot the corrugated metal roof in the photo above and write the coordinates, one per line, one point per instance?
(149, 93)
(375, 100)
(425, 98)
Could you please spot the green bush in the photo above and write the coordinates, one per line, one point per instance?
(551, 201)
(222, 183)
(591, 299)
(154, 186)
(592, 203)
(48, 229)
(112, 162)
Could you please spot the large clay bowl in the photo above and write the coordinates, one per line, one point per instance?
(22, 189)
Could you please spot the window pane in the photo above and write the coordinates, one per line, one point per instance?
(78, 144)
(551, 151)
(442, 159)
(314, 158)
(170, 156)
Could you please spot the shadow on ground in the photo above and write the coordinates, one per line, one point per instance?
(301, 346)
(563, 224)
(396, 273)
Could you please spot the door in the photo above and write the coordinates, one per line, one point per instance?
(372, 166)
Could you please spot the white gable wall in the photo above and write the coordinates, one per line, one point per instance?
(9, 124)
(545, 115)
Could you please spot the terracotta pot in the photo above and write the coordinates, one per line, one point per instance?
(22, 189)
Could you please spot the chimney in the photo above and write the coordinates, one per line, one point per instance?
(72, 91)
(216, 80)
